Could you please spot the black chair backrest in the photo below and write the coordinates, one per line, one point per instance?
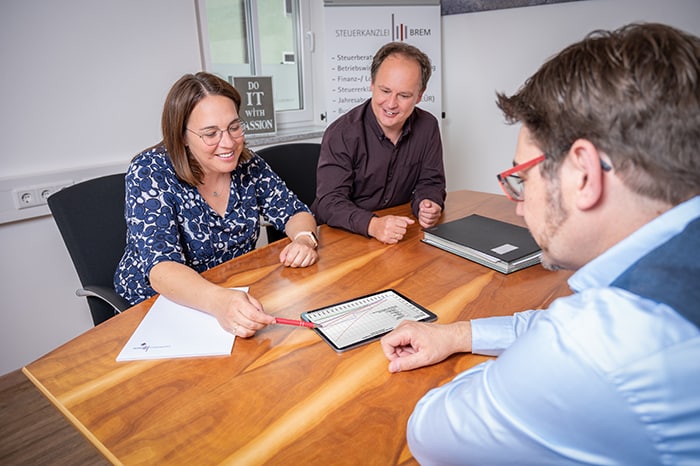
(90, 218)
(296, 164)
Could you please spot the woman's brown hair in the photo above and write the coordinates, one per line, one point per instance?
(181, 100)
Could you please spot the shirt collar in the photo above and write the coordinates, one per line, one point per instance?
(604, 269)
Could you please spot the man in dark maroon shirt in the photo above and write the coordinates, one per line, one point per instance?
(383, 153)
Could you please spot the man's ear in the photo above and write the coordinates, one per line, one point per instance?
(589, 175)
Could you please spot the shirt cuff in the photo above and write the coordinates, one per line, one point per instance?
(492, 335)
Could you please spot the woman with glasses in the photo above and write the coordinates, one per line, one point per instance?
(195, 200)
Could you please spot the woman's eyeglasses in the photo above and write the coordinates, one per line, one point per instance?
(213, 137)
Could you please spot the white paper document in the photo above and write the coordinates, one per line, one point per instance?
(170, 330)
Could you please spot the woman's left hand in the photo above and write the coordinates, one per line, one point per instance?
(299, 253)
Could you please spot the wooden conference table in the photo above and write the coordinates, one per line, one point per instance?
(284, 396)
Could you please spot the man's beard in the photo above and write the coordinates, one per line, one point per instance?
(555, 216)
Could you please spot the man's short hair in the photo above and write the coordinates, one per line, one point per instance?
(408, 51)
(634, 93)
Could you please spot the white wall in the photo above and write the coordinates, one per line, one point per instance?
(83, 82)
(497, 50)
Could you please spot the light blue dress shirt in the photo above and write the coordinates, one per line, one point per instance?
(602, 377)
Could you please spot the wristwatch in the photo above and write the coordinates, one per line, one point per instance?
(310, 234)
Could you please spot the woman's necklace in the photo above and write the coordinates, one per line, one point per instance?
(216, 193)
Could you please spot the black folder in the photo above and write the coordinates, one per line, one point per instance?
(499, 245)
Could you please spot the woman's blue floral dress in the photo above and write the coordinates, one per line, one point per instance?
(168, 220)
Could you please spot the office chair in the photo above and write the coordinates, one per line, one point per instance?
(296, 164)
(90, 218)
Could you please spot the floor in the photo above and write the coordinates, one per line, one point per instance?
(33, 432)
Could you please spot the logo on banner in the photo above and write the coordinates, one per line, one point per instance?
(401, 31)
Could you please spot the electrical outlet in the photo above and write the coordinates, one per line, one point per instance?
(25, 198)
(33, 196)
(45, 191)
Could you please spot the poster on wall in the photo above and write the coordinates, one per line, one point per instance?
(257, 104)
(354, 33)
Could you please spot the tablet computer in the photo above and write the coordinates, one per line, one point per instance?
(365, 319)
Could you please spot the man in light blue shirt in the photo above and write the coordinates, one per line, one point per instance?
(607, 177)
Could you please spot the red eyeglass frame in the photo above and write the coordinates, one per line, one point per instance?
(502, 177)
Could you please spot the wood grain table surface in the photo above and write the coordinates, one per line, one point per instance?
(284, 396)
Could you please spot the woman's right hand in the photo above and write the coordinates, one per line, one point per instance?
(236, 311)
(240, 313)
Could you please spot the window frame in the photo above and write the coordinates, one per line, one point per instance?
(285, 119)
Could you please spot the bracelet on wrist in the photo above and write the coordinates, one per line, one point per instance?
(311, 235)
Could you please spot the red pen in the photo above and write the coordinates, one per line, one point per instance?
(299, 323)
